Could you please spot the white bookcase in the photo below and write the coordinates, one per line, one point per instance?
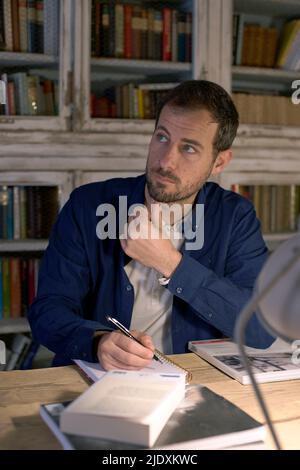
(73, 149)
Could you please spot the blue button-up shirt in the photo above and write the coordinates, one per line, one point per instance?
(82, 278)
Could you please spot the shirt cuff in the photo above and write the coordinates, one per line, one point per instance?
(188, 277)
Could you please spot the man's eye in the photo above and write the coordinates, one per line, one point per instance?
(189, 149)
(161, 138)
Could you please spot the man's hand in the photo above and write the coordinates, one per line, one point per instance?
(147, 243)
(117, 351)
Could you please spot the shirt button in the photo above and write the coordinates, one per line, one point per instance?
(129, 287)
(179, 290)
(210, 315)
(84, 354)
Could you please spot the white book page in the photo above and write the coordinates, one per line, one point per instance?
(95, 372)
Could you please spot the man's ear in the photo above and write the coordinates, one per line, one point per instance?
(222, 161)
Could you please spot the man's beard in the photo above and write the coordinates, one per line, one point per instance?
(158, 193)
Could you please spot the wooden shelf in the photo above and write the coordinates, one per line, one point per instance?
(144, 67)
(14, 325)
(269, 7)
(260, 73)
(23, 245)
(15, 59)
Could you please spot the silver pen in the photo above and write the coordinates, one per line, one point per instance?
(127, 333)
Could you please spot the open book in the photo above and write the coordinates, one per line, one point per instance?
(132, 407)
(269, 365)
(94, 371)
(203, 420)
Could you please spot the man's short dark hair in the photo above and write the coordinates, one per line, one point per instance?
(202, 94)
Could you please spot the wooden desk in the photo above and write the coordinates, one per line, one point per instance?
(22, 392)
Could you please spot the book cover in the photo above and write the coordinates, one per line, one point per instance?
(131, 407)
(273, 364)
(203, 420)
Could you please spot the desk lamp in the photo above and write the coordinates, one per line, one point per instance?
(276, 301)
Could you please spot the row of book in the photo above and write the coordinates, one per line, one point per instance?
(266, 109)
(27, 211)
(30, 26)
(136, 31)
(277, 207)
(256, 42)
(29, 95)
(133, 101)
(18, 285)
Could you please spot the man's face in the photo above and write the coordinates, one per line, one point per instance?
(180, 157)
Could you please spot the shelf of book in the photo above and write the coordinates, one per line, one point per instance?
(36, 34)
(132, 54)
(14, 325)
(266, 59)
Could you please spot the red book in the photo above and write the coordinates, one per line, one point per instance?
(127, 31)
(166, 43)
(31, 283)
(15, 288)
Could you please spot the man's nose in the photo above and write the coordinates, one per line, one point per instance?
(169, 158)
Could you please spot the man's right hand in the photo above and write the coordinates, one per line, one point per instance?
(117, 351)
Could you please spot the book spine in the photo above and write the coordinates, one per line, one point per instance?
(15, 288)
(31, 282)
(15, 25)
(127, 31)
(10, 214)
(22, 5)
(174, 38)
(119, 30)
(24, 286)
(3, 211)
(8, 28)
(6, 287)
(23, 225)
(39, 26)
(16, 215)
(166, 42)
(51, 27)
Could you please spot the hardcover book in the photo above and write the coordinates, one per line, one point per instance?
(269, 365)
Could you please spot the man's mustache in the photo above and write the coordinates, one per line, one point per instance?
(167, 174)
